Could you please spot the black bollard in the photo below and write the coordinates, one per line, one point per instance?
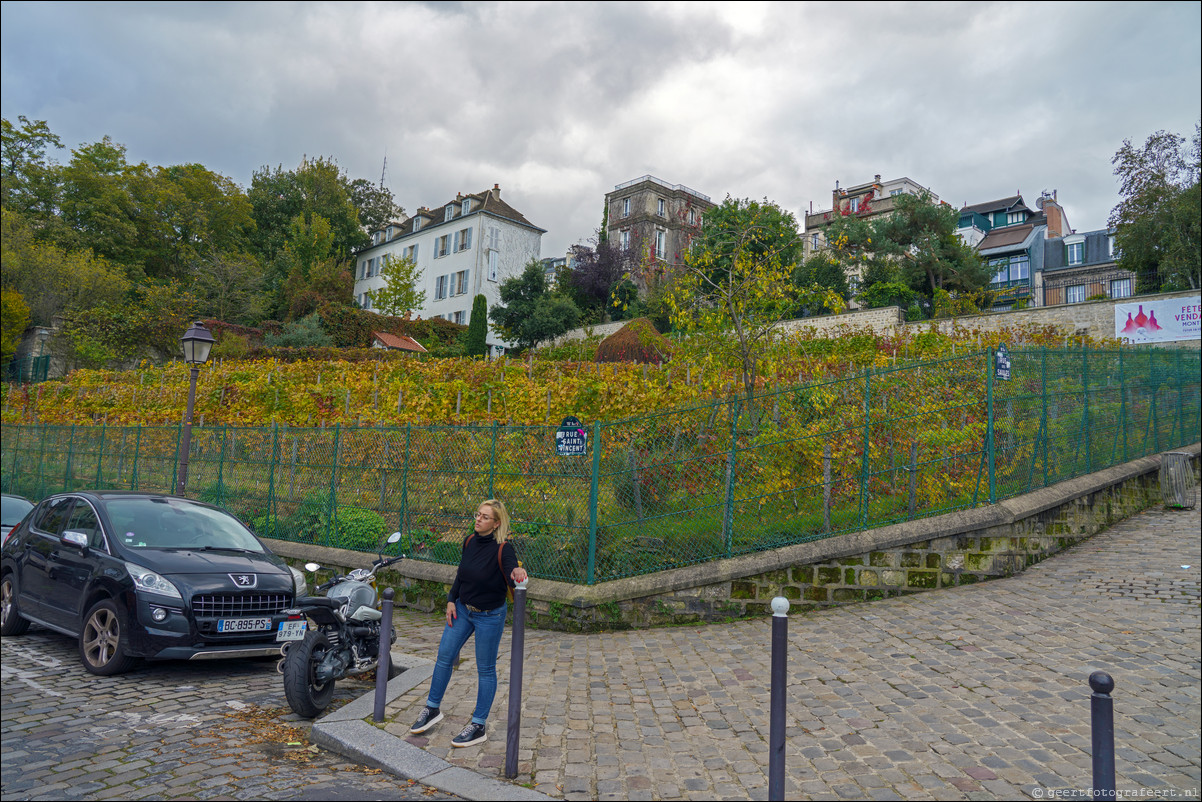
(1101, 720)
(776, 725)
(384, 663)
(516, 654)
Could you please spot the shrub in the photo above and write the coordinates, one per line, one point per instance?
(231, 346)
(637, 341)
(358, 529)
(306, 332)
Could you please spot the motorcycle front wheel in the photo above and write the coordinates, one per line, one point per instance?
(306, 696)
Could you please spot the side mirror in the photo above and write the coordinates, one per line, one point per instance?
(395, 537)
(74, 538)
(312, 567)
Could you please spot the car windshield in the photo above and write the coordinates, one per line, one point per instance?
(158, 523)
(13, 509)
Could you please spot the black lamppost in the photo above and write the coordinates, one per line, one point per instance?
(197, 342)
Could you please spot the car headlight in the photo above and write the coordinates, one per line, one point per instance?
(149, 582)
(299, 583)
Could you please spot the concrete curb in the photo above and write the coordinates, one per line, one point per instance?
(347, 732)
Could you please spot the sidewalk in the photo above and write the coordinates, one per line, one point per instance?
(976, 692)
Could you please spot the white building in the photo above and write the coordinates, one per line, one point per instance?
(463, 248)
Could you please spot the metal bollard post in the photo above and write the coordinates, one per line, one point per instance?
(516, 654)
(384, 662)
(776, 726)
(1101, 720)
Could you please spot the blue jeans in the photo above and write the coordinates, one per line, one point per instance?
(488, 627)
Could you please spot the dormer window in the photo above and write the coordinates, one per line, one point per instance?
(466, 206)
(417, 223)
(388, 234)
(1014, 218)
(450, 212)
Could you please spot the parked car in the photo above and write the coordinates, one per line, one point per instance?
(12, 510)
(139, 575)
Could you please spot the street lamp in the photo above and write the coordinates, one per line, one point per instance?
(197, 342)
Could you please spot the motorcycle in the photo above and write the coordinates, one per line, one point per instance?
(344, 640)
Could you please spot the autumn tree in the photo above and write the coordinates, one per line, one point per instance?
(530, 313)
(1158, 218)
(400, 293)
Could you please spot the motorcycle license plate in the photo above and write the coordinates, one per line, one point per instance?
(244, 625)
(291, 630)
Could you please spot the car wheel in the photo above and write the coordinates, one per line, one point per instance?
(103, 641)
(11, 622)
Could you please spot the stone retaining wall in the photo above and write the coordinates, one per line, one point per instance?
(945, 551)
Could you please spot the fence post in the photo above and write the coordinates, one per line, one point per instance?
(1101, 721)
(826, 487)
(100, 455)
(70, 454)
(594, 487)
(405, 482)
(492, 459)
(728, 513)
(1180, 380)
(777, 699)
(332, 506)
(42, 463)
(1085, 393)
(221, 467)
(865, 463)
(275, 457)
(133, 476)
(989, 425)
(913, 479)
(383, 657)
(517, 652)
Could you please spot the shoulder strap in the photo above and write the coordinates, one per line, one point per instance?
(508, 584)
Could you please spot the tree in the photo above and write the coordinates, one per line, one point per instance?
(1157, 220)
(477, 328)
(376, 205)
(530, 313)
(229, 287)
(14, 317)
(594, 274)
(27, 179)
(736, 285)
(400, 293)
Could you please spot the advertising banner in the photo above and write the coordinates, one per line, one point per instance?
(1159, 321)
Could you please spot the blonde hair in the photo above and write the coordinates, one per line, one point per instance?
(501, 515)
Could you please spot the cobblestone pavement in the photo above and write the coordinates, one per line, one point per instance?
(219, 730)
(976, 692)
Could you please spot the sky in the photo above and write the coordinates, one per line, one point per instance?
(559, 102)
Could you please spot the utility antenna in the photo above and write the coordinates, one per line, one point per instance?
(384, 169)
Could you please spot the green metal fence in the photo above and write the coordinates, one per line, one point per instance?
(671, 489)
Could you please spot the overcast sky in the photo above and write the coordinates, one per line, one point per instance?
(557, 103)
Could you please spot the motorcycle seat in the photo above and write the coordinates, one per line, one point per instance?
(320, 601)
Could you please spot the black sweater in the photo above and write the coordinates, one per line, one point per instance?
(479, 581)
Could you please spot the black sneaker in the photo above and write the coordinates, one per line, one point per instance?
(426, 719)
(473, 733)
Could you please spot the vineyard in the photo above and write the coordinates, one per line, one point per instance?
(677, 471)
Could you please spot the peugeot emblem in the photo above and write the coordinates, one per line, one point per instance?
(245, 580)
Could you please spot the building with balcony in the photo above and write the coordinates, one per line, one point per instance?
(1010, 236)
(649, 213)
(1079, 267)
(464, 248)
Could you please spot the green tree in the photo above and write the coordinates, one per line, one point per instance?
(306, 332)
(14, 317)
(530, 313)
(400, 293)
(737, 285)
(28, 181)
(477, 328)
(1157, 220)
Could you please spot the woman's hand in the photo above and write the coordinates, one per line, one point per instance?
(452, 614)
(518, 575)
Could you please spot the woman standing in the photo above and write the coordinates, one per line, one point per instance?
(475, 604)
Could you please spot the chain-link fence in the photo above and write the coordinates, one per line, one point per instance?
(670, 489)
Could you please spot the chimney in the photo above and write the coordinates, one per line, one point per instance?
(496, 191)
(876, 179)
(1055, 215)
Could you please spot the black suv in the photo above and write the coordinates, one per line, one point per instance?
(143, 575)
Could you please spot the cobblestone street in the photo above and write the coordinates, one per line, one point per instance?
(166, 730)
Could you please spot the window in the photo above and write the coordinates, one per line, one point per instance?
(494, 239)
(1076, 253)
(411, 253)
(440, 287)
(692, 217)
(494, 259)
(463, 240)
(1076, 294)
(1120, 288)
(1014, 268)
(814, 240)
(1111, 251)
(449, 212)
(1014, 218)
(893, 193)
(417, 223)
(441, 246)
(458, 317)
(624, 239)
(854, 205)
(366, 300)
(459, 282)
(626, 207)
(661, 244)
(388, 234)
(662, 208)
(466, 207)
(363, 269)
